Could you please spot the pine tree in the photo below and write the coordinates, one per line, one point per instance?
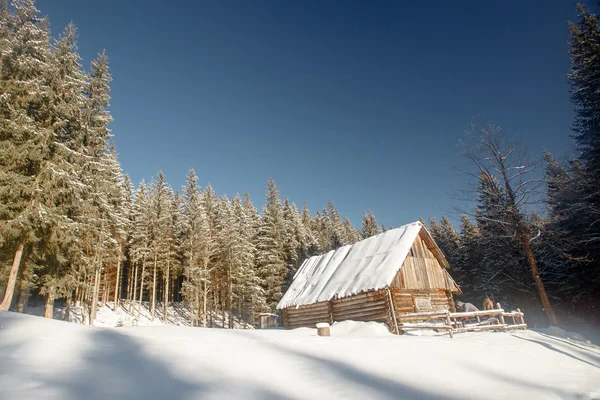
(467, 271)
(161, 200)
(270, 252)
(369, 225)
(140, 241)
(26, 128)
(254, 291)
(503, 166)
(352, 234)
(291, 241)
(311, 244)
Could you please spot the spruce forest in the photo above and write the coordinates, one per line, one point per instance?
(74, 229)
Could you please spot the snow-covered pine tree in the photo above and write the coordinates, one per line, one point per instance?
(193, 221)
(255, 292)
(140, 241)
(160, 203)
(369, 225)
(337, 231)
(352, 234)
(200, 248)
(243, 262)
(26, 128)
(311, 242)
(503, 272)
(291, 241)
(470, 256)
(320, 229)
(270, 252)
(493, 156)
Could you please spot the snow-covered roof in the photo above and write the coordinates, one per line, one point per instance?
(370, 264)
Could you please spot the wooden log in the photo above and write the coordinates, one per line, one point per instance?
(479, 328)
(448, 322)
(323, 329)
(308, 306)
(513, 314)
(426, 326)
(324, 317)
(476, 313)
(317, 318)
(357, 299)
(363, 307)
(501, 318)
(425, 314)
(324, 308)
(372, 293)
(392, 311)
(408, 292)
(518, 326)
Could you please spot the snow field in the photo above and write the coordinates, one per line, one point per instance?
(48, 359)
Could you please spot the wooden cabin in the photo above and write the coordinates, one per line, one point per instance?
(377, 279)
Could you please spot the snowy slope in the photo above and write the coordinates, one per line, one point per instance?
(48, 359)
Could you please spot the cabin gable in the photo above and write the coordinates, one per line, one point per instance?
(422, 269)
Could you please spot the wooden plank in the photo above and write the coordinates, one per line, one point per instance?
(425, 314)
(480, 328)
(483, 313)
(359, 313)
(518, 326)
(425, 326)
(309, 315)
(376, 317)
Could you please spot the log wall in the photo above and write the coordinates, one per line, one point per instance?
(406, 301)
(307, 316)
(371, 306)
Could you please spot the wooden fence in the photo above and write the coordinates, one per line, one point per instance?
(453, 322)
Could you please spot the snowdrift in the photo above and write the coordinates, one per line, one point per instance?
(178, 314)
(49, 359)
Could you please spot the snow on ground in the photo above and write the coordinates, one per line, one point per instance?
(126, 315)
(49, 359)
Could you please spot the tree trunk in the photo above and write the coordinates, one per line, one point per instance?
(68, 306)
(129, 285)
(23, 300)
(538, 280)
(105, 290)
(230, 323)
(95, 295)
(117, 286)
(204, 305)
(77, 300)
(141, 288)
(166, 297)
(133, 298)
(49, 304)
(23, 292)
(12, 279)
(153, 306)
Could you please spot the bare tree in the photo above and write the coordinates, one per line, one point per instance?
(505, 161)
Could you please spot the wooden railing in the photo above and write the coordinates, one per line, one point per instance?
(454, 322)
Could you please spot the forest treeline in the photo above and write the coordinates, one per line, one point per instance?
(533, 238)
(74, 228)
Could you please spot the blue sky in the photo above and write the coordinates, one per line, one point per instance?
(362, 103)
